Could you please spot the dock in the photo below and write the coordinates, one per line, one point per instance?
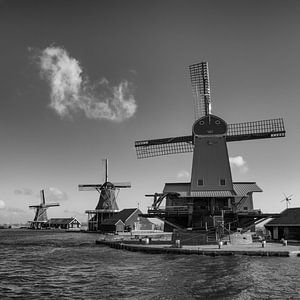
(254, 249)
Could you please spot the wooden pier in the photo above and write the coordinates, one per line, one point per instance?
(255, 249)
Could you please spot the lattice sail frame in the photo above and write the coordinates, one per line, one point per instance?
(273, 128)
(201, 89)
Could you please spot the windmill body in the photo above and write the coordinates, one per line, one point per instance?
(40, 217)
(210, 168)
(211, 197)
(107, 205)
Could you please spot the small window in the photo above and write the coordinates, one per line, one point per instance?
(201, 122)
(222, 182)
(217, 122)
(245, 208)
(200, 182)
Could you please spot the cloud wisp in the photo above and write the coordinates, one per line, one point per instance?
(239, 163)
(54, 194)
(2, 204)
(24, 192)
(72, 92)
(183, 174)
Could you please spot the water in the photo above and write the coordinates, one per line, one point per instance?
(61, 265)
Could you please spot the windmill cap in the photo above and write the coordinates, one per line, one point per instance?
(210, 125)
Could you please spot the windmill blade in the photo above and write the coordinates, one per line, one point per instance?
(89, 187)
(273, 128)
(34, 206)
(159, 147)
(121, 185)
(201, 89)
(42, 194)
(51, 204)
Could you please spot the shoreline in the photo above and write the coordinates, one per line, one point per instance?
(254, 249)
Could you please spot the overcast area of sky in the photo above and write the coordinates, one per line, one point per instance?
(83, 80)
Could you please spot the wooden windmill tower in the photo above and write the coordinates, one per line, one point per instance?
(107, 205)
(41, 212)
(211, 191)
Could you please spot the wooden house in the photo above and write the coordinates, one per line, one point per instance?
(286, 226)
(126, 220)
(62, 223)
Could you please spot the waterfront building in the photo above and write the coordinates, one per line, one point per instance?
(286, 225)
(126, 220)
(62, 223)
(211, 202)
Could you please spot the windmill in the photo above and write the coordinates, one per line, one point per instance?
(211, 181)
(41, 212)
(107, 204)
(287, 200)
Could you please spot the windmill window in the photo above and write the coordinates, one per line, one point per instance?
(245, 208)
(200, 182)
(201, 122)
(222, 182)
(217, 122)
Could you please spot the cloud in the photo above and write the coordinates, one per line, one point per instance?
(239, 163)
(72, 92)
(24, 192)
(2, 204)
(53, 194)
(14, 210)
(183, 174)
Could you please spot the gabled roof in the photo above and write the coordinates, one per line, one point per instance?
(123, 215)
(240, 189)
(244, 188)
(289, 217)
(112, 221)
(61, 221)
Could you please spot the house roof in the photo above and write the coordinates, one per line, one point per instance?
(289, 217)
(61, 221)
(240, 189)
(112, 221)
(122, 215)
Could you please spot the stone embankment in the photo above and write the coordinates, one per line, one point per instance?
(254, 249)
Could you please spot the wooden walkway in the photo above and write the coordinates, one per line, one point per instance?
(254, 249)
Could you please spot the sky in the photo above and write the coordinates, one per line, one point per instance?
(83, 80)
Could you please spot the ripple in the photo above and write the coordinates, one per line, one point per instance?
(52, 265)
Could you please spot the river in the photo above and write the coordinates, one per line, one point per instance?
(64, 265)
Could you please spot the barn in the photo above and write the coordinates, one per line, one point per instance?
(62, 223)
(286, 226)
(126, 220)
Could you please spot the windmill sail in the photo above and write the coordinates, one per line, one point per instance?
(95, 187)
(165, 146)
(201, 89)
(255, 130)
(236, 132)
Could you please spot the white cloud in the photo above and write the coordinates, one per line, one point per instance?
(24, 192)
(72, 92)
(183, 174)
(239, 163)
(2, 204)
(55, 194)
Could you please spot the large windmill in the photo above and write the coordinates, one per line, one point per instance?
(40, 216)
(107, 205)
(211, 192)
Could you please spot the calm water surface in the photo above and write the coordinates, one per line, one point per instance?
(61, 265)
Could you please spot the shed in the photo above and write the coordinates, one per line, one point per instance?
(126, 220)
(62, 223)
(286, 226)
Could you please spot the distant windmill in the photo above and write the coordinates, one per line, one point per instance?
(287, 200)
(107, 204)
(41, 212)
